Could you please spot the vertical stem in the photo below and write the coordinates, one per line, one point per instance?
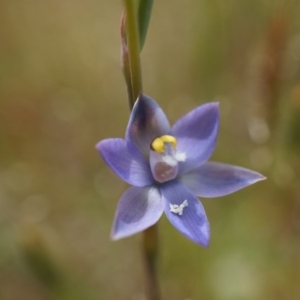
(133, 50)
(133, 77)
(150, 249)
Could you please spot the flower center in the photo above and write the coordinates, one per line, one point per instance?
(164, 158)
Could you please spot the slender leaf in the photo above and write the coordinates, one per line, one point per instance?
(144, 14)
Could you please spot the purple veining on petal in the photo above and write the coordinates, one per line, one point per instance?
(196, 134)
(193, 222)
(126, 161)
(138, 209)
(216, 179)
(147, 121)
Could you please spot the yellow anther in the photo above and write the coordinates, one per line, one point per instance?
(158, 144)
(169, 139)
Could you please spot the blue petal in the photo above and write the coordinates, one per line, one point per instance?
(196, 134)
(193, 222)
(126, 161)
(216, 179)
(138, 209)
(147, 121)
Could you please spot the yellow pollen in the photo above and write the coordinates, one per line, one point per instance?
(158, 144)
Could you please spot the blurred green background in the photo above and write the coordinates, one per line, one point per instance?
(62, 90)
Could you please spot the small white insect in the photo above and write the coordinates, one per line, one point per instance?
(178, 209)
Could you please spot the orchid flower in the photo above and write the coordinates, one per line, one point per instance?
(168, 169)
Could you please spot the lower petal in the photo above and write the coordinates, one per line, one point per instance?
(138, 209)
(192, 222)
(217, 179)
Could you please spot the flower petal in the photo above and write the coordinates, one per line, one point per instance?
(196, 134)
(126, 161)
(138, 209)
(217, 179)
(193, 222)
(147, 121)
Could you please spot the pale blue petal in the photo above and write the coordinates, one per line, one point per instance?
(215, 179)
(138, 209)
(147, 121)
(193, 222)
(126, 161)
(196, 134)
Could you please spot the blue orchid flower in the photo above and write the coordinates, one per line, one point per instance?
(168, 169)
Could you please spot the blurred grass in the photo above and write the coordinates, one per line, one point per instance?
(61, 90)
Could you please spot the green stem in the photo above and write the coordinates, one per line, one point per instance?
(150, 249)
(133, 50)
(132, 72)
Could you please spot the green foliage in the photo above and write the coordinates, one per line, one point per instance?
(144, 15)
